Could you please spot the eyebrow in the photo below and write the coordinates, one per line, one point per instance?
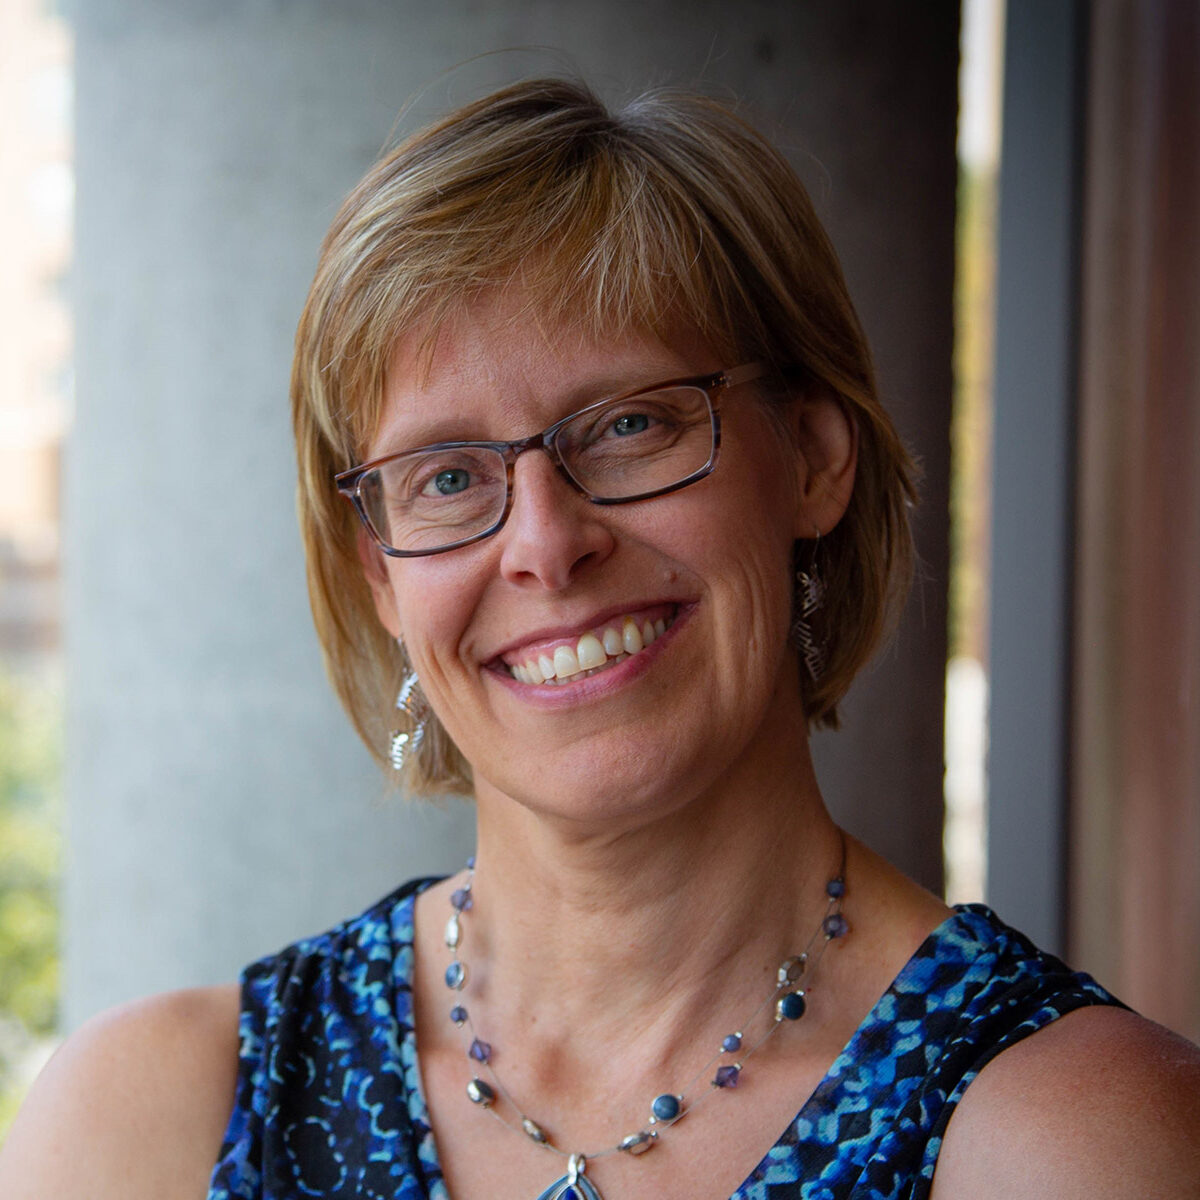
(594, 390)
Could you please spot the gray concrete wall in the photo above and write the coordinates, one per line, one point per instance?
(218, 803)
(1033, 467)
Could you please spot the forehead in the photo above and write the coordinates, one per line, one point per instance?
(496, 370)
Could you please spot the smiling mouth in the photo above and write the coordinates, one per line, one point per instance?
(597, 650)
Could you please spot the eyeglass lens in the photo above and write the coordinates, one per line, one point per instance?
(621, 450)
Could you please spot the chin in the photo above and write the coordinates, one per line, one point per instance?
(610, 792)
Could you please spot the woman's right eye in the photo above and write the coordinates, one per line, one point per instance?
(448, 482)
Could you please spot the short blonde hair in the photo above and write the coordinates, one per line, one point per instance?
(668, 210)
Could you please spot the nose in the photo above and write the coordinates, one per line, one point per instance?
(552, 533)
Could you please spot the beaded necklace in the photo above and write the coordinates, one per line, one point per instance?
(786, 1001)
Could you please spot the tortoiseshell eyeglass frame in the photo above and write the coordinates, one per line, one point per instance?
(348, 482)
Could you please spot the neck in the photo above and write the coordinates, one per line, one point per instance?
(604, 939)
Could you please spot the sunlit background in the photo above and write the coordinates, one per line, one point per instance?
(35, 407)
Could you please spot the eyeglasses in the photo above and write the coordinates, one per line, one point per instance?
(629, 447)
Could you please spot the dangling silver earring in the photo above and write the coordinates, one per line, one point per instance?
(412, 703)
(808, 599)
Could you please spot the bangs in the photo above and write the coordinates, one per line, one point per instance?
(581, 226)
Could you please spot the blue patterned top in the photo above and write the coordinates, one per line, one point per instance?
(329, 1098)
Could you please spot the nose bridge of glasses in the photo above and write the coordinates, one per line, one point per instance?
(547, 440)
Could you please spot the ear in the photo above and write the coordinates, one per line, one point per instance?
(376, 573)
(827, 439)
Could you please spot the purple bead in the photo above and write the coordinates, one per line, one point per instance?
(471, 863)
(480, 1051)
(458, 1015)
(732, 1044)
(835, 925)
(835, 889)
(727, 1077)
(460, 898)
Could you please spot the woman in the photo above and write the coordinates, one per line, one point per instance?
(599, 496)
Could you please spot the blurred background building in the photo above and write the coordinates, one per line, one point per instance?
(35, 325)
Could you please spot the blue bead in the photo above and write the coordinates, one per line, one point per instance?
(835, 926)
(458, 1015)
(732, 1044)
(835, 889)
(791, 1007)
(665, 1107)
(456, 975)
(471, 863)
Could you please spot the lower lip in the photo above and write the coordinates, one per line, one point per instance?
(603, 683)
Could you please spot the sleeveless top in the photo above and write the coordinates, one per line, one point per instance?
(329, 1098)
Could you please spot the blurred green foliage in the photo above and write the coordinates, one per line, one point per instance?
(30, 849)
(971, 427)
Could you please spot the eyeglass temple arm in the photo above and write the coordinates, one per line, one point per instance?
(743, 374)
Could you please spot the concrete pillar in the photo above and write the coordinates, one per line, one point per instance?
(219, 804)
(1033, 468)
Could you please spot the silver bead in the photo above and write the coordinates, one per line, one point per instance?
(453, 932)
(638, 1143)
(791, 969)
(534, 1130)
(481, 1093)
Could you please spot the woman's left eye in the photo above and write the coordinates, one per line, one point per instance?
(630, 423)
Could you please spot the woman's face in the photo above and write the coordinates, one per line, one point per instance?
(702, 575)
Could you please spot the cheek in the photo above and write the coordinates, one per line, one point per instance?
(751, 561)
(433, 600)
(758, 601)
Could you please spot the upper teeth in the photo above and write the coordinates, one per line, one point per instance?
(590, 653)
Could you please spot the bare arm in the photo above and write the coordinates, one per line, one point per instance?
(133, 1106)
(1100, 1103)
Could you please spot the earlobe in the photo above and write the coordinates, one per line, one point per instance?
(827, 441)
(375, 571)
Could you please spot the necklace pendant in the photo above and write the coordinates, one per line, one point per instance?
(574, 1185)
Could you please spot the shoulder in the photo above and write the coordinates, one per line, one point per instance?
(365, 951)
(375, 932)
(1099, 1102)
(133, 1104)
